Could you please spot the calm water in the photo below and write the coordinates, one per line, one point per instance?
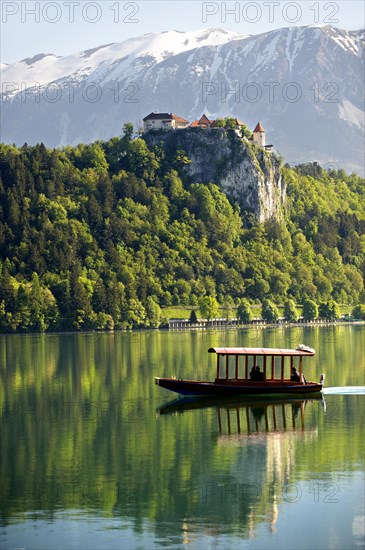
(92, 456)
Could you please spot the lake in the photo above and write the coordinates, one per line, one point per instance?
(92, 456)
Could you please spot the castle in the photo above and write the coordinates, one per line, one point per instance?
(170, 121)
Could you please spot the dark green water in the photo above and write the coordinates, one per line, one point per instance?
(90, 458)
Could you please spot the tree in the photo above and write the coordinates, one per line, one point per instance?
(153, 312)
(246, 132)
(133, 314)
(230, 123)
(209, 307)
(36, 305)
(228, 308)
(106, 223)
(310, 310)
(23, 309)
(329, 310)
(359, 312)
(78, 307)
(99, 297)
(127, 131)
(220, 123)
(270, 312)
(7, 289)
(244, 311)
(291, 313)
(193, 318)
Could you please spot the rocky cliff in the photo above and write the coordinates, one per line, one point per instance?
(245, 172)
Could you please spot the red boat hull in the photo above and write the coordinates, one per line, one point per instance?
(230, 388)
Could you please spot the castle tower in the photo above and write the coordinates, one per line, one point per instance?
(259, 135)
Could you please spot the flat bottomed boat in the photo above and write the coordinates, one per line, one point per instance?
(242, 374)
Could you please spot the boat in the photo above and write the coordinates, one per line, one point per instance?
(248, 417)
(186, 403)
(242, 374)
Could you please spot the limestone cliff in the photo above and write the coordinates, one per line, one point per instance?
(245, 172)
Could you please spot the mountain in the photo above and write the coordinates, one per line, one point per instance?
(305, 85)
(102, 235)
(247, 174)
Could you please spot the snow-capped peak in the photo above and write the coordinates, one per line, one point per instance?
(45, 68)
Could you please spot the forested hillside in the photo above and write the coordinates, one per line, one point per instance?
(103, 235)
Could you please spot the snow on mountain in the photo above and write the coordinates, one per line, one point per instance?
(305, 84)
(100, 62)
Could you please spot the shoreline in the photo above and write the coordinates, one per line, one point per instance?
(221, 328)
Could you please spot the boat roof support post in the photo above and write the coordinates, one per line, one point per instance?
(227, 366)
(301, 369)
(302, 415)
(246, 367)
(274, 417)
(264, 367)
(236, 373)
(267, 419)
(219, 420)
(218, 357)
(282, 367)
(238, 420)
(272, 367)
(283, 415)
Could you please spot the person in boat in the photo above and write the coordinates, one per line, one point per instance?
(256, 374)
(294, 375)
(259, 374)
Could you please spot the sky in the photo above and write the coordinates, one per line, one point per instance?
(64, 27)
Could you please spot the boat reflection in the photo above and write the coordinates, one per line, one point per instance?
(255, 419)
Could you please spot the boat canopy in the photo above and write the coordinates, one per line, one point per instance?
(262, 351)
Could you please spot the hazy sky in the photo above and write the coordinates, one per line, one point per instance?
(67, 26)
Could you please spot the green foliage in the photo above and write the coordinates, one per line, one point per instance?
(246, 132)
(310, 310)
(209, 307)
(269, 311)
(244, 311)
(227, 307)
(359, 312)
(291, 313)
(153, 312)
(227, 122)
(329, 310)
(102, 236)
(193, 318)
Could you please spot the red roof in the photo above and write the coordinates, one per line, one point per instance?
(178, 118)
(204, 120)
(259, 351)
(259, 128)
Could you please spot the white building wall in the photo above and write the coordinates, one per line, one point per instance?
(157, 124)
(259, 138)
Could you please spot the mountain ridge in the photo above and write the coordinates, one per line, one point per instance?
(88, 96)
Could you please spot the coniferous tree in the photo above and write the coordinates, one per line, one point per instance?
(193, 317)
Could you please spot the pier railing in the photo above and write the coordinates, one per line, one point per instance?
(179, 324)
